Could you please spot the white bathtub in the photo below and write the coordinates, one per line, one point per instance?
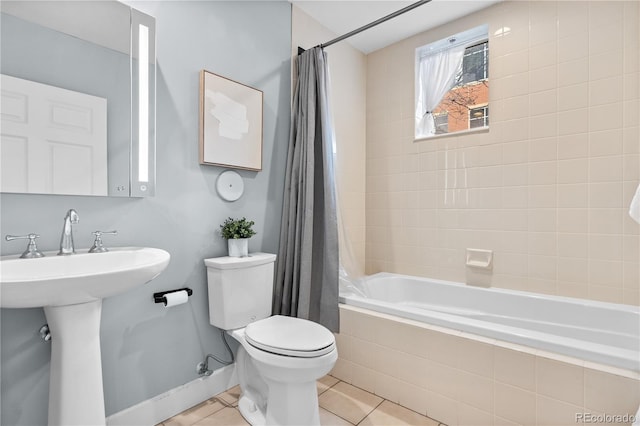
(605, 333)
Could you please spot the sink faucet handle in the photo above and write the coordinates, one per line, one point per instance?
(97, 246)
(32, 249)
(99, 234)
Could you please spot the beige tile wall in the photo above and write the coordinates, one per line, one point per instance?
(548, 187)
(461, 379)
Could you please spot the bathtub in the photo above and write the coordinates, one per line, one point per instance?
(475, 356)
(601, 332)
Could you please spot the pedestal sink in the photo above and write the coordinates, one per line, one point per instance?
(71, 289)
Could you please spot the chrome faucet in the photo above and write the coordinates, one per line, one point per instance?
(66, 240)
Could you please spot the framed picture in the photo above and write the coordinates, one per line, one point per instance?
(230, 123)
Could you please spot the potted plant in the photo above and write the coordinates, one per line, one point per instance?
(237, 233)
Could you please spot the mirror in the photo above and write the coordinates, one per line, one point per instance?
(78, 98)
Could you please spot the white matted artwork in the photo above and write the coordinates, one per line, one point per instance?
(230, 123)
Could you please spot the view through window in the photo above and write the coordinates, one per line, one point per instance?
(464, 98)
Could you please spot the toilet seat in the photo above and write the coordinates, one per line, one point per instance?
(294, 337)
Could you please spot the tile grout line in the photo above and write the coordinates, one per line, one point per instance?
(329, 387)
(383, 400)
(326, 409)
(340, 417)
(374, 409)
(366, 415)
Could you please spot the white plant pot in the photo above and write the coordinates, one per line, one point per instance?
(238, 247)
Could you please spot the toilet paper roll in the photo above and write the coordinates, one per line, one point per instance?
(175, 298)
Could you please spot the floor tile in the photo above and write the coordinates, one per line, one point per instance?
(226, 417)
(341, 404)
(327, 418)
(349, 402)
(390, 414)
(230, 396)
(325, 383)
(195, 414)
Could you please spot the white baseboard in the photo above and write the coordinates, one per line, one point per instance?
(161, 407)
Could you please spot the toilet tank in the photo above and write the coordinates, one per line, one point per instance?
(240, 289)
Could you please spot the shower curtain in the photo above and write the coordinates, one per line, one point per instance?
(307, 268)
(436, 75)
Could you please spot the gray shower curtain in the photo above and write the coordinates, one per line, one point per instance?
(307, 267)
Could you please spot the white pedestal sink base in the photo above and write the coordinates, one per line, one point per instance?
(71, 289)
(76, 396)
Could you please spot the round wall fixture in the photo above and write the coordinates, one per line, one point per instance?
(230, 185)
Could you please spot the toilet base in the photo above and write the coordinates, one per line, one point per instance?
(287, 406)
(293, 404)
(266, 400)
(251, 413)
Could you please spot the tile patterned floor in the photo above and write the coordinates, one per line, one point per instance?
(341, 404)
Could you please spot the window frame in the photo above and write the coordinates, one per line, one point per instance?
(472, 38)
(484, 118)
(485, 68)
(440, 115)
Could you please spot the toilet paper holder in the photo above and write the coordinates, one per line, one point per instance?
(159, 297)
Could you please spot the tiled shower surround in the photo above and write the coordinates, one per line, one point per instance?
(462, 379)
(548, 186)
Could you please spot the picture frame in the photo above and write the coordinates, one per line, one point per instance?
(231, 115)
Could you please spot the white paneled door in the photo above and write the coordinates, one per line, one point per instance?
(53, 140)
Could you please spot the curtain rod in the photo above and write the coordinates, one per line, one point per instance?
(374, 23)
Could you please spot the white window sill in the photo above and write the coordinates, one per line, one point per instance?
(448, 135)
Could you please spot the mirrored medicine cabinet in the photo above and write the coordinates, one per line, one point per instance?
(78, 98)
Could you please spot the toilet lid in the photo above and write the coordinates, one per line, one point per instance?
(290, 336)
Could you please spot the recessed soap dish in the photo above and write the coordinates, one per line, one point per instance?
(480, 258)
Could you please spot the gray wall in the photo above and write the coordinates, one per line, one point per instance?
(147, 349)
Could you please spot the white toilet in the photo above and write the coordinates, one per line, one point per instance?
(280, 358)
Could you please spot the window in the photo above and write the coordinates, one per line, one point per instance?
(452, 84)
(442, 122)
(479, 117)
(475, 64)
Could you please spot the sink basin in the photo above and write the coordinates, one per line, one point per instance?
(71, 289)
(68, 280)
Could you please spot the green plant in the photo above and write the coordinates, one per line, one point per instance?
(237, 228)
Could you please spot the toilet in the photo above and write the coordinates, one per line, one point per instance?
(279, 358)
